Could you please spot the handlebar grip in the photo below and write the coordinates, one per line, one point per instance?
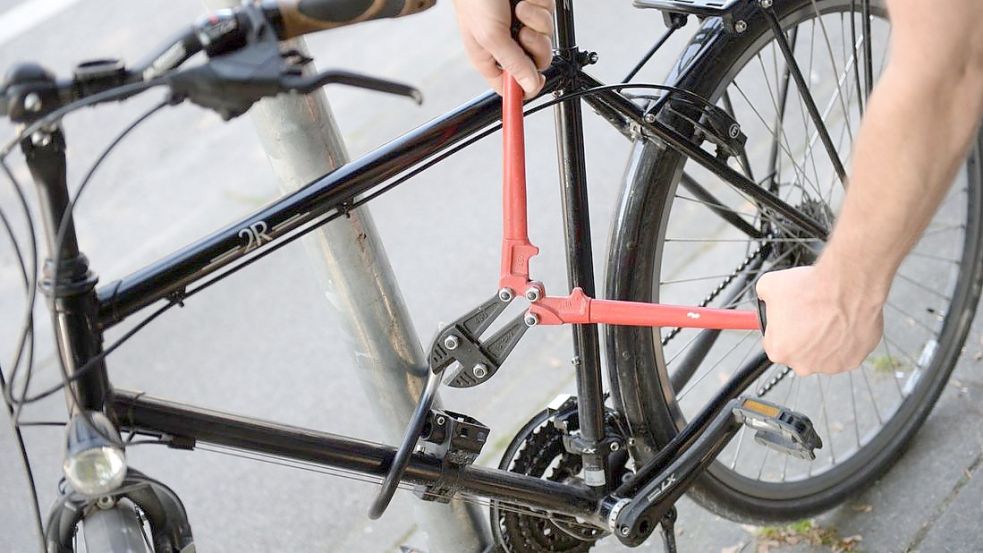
(300, 17)
(762, 315)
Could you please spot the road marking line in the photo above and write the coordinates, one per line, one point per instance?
(28, 14)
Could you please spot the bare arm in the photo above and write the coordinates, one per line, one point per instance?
(920, 121)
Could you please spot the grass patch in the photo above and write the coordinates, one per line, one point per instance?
(805, 532)
(884, 364)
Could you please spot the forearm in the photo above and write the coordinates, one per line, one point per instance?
(912, 142)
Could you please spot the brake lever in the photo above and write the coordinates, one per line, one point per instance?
(231, 83)
(307, 84)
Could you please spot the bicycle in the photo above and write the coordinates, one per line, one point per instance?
(650, 455)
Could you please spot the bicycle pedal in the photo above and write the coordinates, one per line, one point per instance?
(779, 428)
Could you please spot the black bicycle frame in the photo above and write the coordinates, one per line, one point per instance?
(84, 312)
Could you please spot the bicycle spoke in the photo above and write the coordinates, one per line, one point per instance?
(825, 418)
(690, 184)
(740, 240)
(894, 363)
(856, 67)
(740, 442)
(804, 93)
(780, 115)
(780, 125)
(832, 60)
(853, 405)
(921, 286)
(696, 279)
(689, 389)
(944, 228)
(914, 363)
(870, 393)
(714, 206)
(912, 318)
(868, 48)
(827, 111)
(784, 146)
(764, 461)
(935, 257)
(745, 162)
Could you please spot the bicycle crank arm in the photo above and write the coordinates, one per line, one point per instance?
(632, 520)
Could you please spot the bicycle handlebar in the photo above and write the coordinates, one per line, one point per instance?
(299, 17)
(30, 92)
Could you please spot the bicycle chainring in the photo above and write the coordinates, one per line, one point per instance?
(535, 450)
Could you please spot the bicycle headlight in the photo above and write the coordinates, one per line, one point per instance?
(94, 464)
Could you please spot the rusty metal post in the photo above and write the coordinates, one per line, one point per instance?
(302, 142)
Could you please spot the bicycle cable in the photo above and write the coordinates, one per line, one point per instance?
(26, 336)
(28, 471)
(60, 236)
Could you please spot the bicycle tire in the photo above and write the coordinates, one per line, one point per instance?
(639, 376)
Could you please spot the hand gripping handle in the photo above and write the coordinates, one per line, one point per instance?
(300, 17)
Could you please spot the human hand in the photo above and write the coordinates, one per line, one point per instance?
(486, 29)
(820, 320)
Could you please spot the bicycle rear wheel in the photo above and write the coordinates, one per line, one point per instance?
(683, 239)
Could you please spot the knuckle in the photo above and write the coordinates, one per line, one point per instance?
(515, 66)
(536, 17)
(763, 285)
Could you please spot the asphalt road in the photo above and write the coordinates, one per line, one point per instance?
(264, 343)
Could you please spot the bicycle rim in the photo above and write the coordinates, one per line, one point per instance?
(865, 416)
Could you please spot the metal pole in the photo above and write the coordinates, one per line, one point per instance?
(302, 142)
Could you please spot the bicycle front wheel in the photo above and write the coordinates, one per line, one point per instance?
(688, 238)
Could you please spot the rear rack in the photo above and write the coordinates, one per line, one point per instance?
(699, 8)
(676, 11)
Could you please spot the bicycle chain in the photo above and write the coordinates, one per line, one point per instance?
(774, 381)
(720, 288)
